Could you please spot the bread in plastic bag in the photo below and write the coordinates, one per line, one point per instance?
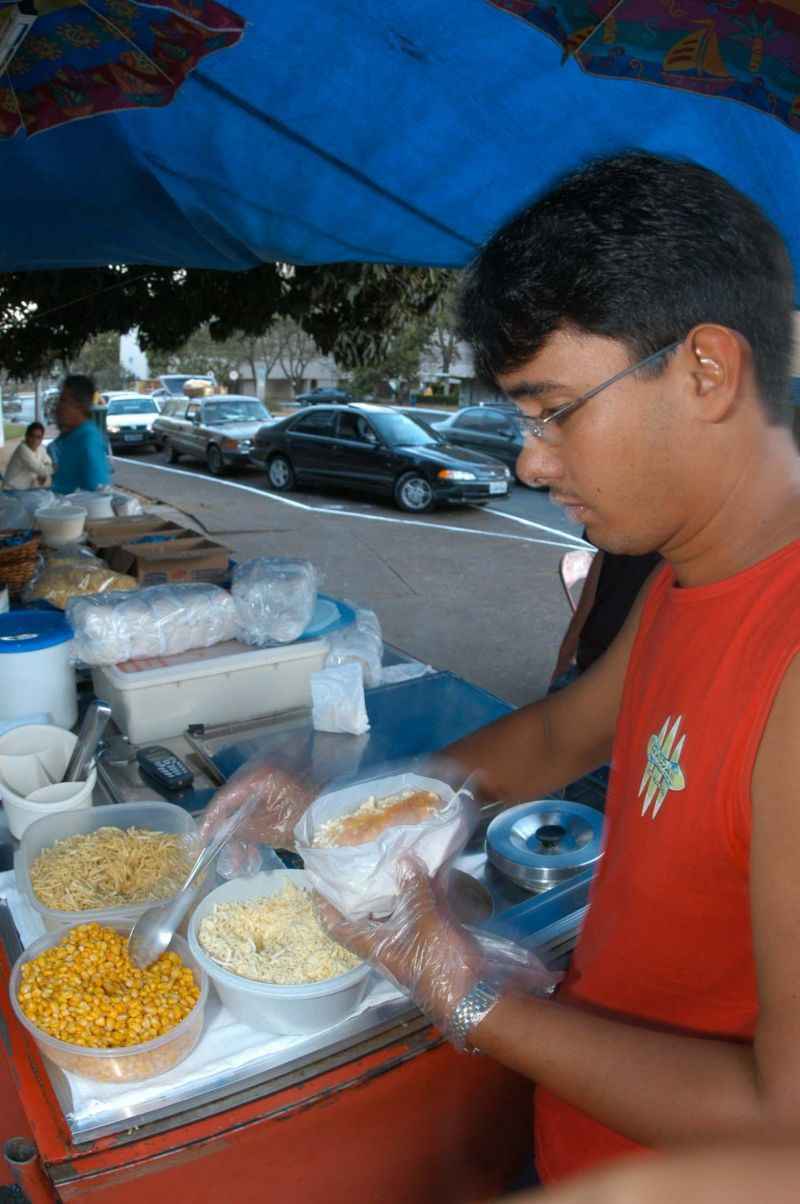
(73, 571)
(126, 507)
(13, 515)
(364, 880)
(361, 642)
(275, 598)
(160, 620)
(337, 700)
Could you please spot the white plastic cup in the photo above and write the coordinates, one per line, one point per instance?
(28, 757)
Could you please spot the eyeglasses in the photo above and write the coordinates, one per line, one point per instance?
(536, 426)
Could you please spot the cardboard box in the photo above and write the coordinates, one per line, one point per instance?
(112, 532)
(176, 560)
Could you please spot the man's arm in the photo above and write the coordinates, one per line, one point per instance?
(662, 1089)
(569, 644)
(541, 747)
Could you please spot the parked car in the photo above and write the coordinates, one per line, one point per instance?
(129, 420)
(324, 397)
(12, 406)
(369, 447)
(217, 429)
(483, 428)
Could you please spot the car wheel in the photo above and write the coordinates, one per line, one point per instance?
(414, 493)
(173, 455)
(280, 473)
(215, 460)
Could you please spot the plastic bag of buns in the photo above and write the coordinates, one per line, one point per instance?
(73, 572)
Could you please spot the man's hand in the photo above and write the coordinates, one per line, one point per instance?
(428, 953)
(282, 799)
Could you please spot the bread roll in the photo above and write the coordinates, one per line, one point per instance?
(375, 815)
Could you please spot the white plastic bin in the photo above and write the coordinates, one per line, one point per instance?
(155, 816)
(263, 1005)
(35, 674)
(158, 698)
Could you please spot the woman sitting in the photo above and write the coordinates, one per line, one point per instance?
(30, 467)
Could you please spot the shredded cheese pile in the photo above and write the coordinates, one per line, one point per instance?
(276, 939)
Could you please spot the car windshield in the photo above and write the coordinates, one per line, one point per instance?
(405, 431)
(234, 411)
(131, 405)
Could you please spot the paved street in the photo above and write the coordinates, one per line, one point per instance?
(472, 590)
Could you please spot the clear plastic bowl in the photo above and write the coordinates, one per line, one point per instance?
(155, 816)
(130, 1063)
(306, 1008)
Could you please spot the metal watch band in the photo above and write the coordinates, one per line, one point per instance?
(469, 1012)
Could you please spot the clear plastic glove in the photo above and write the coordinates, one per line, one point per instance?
(427, 953)
(282, 799)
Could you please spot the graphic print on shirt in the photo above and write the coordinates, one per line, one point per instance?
(663, 772)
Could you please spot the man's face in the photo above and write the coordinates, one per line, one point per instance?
(614, 463)
(68, 412)
(34, 439)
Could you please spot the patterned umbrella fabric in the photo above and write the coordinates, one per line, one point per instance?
(745, 50)
(69, 59)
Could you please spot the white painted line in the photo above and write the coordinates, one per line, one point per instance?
(529, 522)
(374, 518)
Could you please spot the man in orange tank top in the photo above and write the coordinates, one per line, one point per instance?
(640, 317)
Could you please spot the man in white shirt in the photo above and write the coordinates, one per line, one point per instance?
(30, 467)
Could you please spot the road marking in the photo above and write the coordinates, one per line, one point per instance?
(529, 522)
(374, 518)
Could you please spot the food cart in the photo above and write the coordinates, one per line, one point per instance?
(377, 1107)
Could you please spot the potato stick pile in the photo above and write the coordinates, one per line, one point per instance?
(110, 867)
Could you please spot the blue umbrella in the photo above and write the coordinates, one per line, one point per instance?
(399, 131)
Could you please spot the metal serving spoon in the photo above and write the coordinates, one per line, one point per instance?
(156, 927)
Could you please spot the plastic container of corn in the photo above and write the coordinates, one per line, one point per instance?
(129, 1063)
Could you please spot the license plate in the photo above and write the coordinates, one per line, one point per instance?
(132, 438)
(498, 487)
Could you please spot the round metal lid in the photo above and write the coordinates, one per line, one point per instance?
(539, 844)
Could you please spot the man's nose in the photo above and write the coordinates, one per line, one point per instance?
(538, 462)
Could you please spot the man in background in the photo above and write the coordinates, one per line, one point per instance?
(79, 450)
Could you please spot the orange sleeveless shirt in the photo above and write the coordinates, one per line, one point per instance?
(668, 936)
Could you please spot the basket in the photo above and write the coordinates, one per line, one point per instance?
(18, 563)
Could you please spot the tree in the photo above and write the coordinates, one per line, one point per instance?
(99, 358)
(350, 310)
(201, 354)
(296, 350)
(442, 340)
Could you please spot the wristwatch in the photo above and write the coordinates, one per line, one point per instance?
(469, 1012)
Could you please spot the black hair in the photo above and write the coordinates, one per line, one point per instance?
(82, 389)
(640, 249)
(33, 426)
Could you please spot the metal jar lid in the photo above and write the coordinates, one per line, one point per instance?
(540, 844)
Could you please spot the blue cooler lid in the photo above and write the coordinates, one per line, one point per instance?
(31, 630)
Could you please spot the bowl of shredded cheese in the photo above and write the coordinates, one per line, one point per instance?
(272, 963)
(105, 864)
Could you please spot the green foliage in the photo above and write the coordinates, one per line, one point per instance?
(99, 358)
(352, 311)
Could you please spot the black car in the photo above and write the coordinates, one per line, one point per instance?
(371, 448)
(218, 429)
(324, 397)
(489, 429)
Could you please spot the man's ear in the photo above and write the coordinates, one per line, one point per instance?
(719, 359)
